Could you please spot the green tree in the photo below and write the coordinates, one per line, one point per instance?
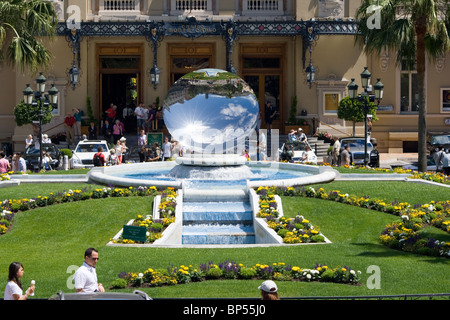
(293, 111)
(24, 114)
(412, 29)
(354, 111)
(23, 25)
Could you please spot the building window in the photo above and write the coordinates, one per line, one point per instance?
(190, 6)
(445, 99)
(409, 90)
(331, 102)
(262, 7)
(119, 7)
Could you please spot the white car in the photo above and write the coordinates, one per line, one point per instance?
(84, 153)
(294, 151)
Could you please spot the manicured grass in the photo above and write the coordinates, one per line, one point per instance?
(50, 240)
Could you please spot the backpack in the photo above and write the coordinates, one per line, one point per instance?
(97, 161)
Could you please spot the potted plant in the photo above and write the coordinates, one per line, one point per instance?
(90, 118)
(292, 120)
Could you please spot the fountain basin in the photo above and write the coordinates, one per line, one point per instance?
(260, 174)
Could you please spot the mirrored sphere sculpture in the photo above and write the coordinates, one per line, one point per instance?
(210, 111)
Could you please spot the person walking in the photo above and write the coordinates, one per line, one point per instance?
(77, 127)
(92, 129)
(69, 123)
(111, 113)
(335, 151)
(117, 130)
(166, 149)
(271, 113)
(21, 163)
(107, 130)
(99, 158)
(4, 163)
(86, 276)
(142, 139)
(140, 114)
(345, 156)
(438, 158)
(446, 163)
(14, 289)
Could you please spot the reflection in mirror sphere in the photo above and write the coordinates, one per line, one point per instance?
(210, 111)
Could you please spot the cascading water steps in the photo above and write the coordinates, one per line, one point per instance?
(217, 217)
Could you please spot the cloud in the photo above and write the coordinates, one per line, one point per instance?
(233, 111)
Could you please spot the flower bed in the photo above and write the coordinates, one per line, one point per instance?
(10, 207)
(4, 177)
(401, 234)
(292, 230)
(155, 227)
(277, 271)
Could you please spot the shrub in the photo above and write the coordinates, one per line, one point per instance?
(318, 238)
(67, 152)
(246, 273)
(156, 227)
(214, 273)
(282, 232)
(328, 276)
(119, 283)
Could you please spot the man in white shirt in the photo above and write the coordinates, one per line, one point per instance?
(335, 151)
(140, 116)
(86, 276)
(167, 148)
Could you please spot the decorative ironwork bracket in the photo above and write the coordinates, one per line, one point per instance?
(229, 35)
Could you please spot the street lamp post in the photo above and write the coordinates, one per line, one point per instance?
(40, 100)
(365, 97)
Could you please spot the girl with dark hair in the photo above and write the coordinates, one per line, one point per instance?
(14, 290)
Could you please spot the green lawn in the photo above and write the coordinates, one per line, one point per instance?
(48, 241)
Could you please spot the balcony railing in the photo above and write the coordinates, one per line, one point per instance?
(190, 6)
(262, 7)
(119, 7)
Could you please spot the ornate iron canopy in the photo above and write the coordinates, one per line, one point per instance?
(154, 31)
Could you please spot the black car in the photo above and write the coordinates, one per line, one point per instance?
(435, 141)
(32, 156)
(136, 295)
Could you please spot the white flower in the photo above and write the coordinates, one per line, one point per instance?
(140, 275)
(405, 217)
(308, 276)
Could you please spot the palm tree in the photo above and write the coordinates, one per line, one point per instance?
(412, 29)
(23, 23)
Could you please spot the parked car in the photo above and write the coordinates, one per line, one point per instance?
(431, 166)
(357, 151)
(136, 295)
(84, 153)
(32, 156)
(438, 140)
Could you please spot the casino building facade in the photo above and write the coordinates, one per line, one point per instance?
(118, 46)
